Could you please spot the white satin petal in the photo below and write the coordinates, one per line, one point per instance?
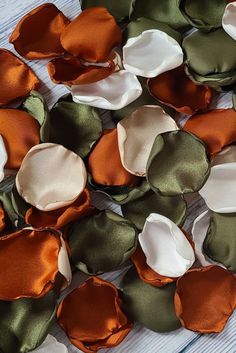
(64, 262)
(167, 250)
(219, 192)
(136, 135)
(3, 158)
(199, 232)
(51, 177)
(113, 93)
(51, 345)
(229, 20)
(227, 155)
(152, 53)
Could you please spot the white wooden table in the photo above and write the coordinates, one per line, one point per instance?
(140, 340)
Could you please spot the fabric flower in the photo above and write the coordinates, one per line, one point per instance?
(16, 78)
(205, 298)
(51, 177)
(228, 20)
(93, 239)
(96, 299)
(37, 35)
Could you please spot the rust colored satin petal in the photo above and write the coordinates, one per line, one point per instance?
(2, 219)
(175, 89)
(146, 273)
(205, 298)
(58, 218)
(91, 316)
(105, 164)
(37, 35)
(70, 71)
(30, 262)
(217, 128)
(92, 35)
(20, 132)
(16, 78)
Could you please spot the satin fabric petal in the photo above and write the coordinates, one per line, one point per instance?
(79, 37)
(178, 164)
(3, 158)
(95, 298)
(37, 35)
(175, 89)
(2, 219)
(16, 78)
(219, 192)
(136, 135)
(112, 173)
(34, 252)
(75, 126)
(49, 186)
(51, 345)
(59, 218)
(118, 9)
(152, 53)
(229, 20)
(205, 298)
(25, 323)
(217, 128)
(152, 307)
(102, 242)
(20, 132)
(112, 93)
(227, 155)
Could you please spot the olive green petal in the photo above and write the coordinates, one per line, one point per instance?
(205, 15)
(102, 242)
(12, 216)
(75, 126)
(153, 307)
(220, 242)
(110, 191)
(18, 203)
(166, 11)
(172, 207)
(25, 323)
(210, 57)
(178, 164)
(36, 106)
(137, 27)
(118, 8)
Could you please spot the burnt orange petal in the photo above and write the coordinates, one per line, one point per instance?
(71, 71)
(2, 219)
(217, 128)
(29, 263)
(92, 35)
(91, 316)
(20, 132)
(105, 164)
(37, 35)
(146, 273)
(175, 89)
(16, 78)
(59, 218)
(205, 298)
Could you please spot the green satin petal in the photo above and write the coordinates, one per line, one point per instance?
(25, 323)
(118, 8)
(220, 242)
(102, 242)
(173, 207)
(75, 126)
(203, 14)
(132, 194)
(36, 106)
(11, 215)
(210, 57)
(135, 28)
(178, 163)
(18, 203)
(165, 11)
(153, 307)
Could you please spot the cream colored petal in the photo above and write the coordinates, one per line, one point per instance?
(167, 249)
(64, 262)
(3, 158)
(136, 135)
(51, 177)
(113, 93)
(229, 20)
(227, 155)
(51, 345)
(199, 232)
(152, 53)
(219, 192)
